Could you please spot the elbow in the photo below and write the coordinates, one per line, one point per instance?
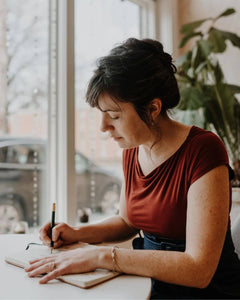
(203, 278)
(202, 273)
(203, 282)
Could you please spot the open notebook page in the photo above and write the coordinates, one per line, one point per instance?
(83, 280)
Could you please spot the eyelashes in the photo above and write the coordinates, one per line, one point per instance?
(114, 118)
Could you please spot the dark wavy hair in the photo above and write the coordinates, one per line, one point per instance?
(136, 71)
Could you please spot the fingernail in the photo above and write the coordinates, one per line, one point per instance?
(42, 282)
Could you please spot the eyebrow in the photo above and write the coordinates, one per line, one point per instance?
(111, 110)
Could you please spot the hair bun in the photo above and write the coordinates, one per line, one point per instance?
(157, 50)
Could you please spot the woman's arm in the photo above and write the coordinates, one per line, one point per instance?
(207, 219)
(116, 228)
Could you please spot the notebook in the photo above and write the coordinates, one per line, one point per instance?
(84, 280)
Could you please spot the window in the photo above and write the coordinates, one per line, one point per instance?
(49, 138)
(23, 110)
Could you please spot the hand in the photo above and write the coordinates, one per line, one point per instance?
(62, 234)
(70, 262)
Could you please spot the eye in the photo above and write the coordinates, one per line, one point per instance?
(113, 117)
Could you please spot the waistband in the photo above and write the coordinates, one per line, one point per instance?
(154, 242)
(159, 238)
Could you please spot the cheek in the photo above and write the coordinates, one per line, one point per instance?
(136, 131)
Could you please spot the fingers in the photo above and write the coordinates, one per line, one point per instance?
(57, 230)
(43, 260)
(35, 263)
(50, 276)
(48, 268)
(40, 267)
(44, 234)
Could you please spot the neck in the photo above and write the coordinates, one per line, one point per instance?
(164, 140)
(159, 133)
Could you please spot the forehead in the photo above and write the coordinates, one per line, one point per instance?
(107, 103)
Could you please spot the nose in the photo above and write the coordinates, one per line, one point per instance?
(105, 124)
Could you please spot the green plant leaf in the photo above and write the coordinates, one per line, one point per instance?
(187, 37)
(189, 27)
(234, 88)
(191, 98)
(214, 117)
(226, 35)
(227, 12)
(218, 112)
(202, 84)
(227, 100)
(200, 53)
(197, 57)
(218, 73)
(200, 67)
(217, 40)
(206, 47)
(232, 37)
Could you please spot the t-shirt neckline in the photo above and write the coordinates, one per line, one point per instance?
(149, 175)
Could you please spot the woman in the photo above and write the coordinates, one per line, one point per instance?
(176, 187)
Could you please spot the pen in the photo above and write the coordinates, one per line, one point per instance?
(52, 225)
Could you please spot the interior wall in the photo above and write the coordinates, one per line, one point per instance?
(192, 10)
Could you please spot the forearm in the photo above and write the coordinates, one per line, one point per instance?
(110, 230)
(168, 266)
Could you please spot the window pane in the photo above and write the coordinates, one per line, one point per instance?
(99, 25)
(23, 112)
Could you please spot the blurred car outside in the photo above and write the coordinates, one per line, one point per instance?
(23, 183)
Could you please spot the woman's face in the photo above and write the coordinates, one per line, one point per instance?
(122, 122)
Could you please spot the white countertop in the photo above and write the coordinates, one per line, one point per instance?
(15, 284)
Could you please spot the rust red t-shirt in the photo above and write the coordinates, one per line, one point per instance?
(157, 203)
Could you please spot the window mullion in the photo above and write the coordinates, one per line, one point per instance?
(66, 147)
(147, 18)
(52, 113)
(61, 135)
(167, 24)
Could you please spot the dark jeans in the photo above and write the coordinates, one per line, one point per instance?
(224, 285)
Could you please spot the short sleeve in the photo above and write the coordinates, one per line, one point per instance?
(207, 152)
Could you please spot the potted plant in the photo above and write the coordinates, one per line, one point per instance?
(205, 93)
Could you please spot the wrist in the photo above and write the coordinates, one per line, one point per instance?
(80, 233)
(105, 258)
(108, 258)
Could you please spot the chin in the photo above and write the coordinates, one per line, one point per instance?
(123, 145)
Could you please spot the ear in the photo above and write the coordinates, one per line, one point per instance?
(155, 108)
